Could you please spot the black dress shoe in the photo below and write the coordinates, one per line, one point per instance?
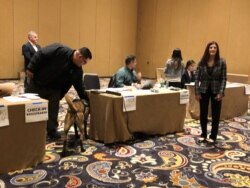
(201, 140)
(210, 142)
(54, 135)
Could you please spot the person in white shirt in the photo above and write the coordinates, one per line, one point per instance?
(29, 49)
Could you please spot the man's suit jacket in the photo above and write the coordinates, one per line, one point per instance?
(28, 51)
(217, 79)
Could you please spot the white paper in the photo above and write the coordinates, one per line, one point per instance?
(4, 117)
(234, 84)
(22, 97)
(32, 96)
(247, 89)
(36, 111)
(15, 99)
(120, 89)
(28, 94)
(184, 96)
(129, 103)
(190, 84)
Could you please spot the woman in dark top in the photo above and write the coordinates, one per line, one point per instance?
(210, 82)
(188, 75)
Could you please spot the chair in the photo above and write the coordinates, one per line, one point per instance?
(91, 81)
(79, 112)
(76, 114)
(112, 81)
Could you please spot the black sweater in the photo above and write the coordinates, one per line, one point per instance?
(53, 67)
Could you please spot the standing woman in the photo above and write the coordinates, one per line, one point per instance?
(175, 66)
(210, 83)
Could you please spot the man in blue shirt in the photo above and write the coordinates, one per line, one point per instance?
(126, 76)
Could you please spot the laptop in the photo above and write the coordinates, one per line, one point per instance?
(148, 84)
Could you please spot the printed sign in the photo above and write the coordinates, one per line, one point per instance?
(4, 117)
(184, 96)
(129, 103)
(36, 111)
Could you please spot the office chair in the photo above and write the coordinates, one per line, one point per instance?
(112, 81)
(76, 115)
(91, 81)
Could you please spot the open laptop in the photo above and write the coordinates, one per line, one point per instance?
(148, 84)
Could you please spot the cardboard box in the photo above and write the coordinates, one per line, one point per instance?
(22, 144)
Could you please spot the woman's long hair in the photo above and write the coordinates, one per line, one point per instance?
(206, 54)
(176, 59)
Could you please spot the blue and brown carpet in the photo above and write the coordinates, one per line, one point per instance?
(173, 160)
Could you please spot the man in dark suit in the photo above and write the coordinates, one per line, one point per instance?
(28, 50)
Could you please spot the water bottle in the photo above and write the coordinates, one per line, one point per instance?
(162, 84)
(166, 83)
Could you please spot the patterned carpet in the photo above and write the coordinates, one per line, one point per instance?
(173, 160)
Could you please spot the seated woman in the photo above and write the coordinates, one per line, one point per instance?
(175, 67)
(188, 75)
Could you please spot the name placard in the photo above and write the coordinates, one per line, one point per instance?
(184, 96)
(129, 103)
(247, 89)
(36, 111)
